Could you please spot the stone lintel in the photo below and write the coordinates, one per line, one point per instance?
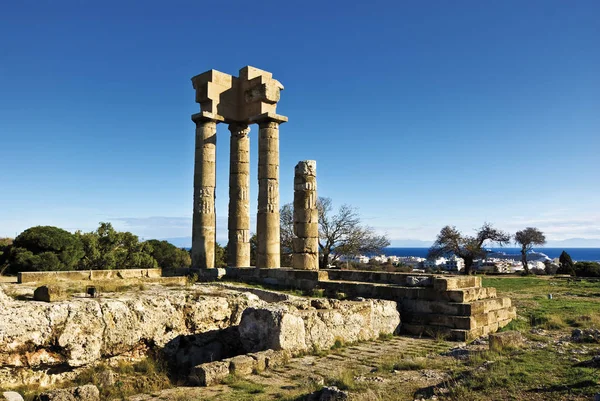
(206, 116)
(268, 117)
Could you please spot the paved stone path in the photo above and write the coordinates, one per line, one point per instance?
(297, 375)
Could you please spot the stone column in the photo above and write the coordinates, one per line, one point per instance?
(203, 219)
(238, 254)
(267, 218)
(306, 217)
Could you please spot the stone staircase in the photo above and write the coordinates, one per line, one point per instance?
(455, 307)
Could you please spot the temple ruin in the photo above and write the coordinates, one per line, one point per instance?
(239, 102)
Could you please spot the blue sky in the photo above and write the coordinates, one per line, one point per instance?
(420, 114)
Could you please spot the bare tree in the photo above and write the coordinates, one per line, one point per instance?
(527, 238)
(340, 234)
(286, 218)
(450, 241)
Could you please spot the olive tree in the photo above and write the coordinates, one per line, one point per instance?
(527, 238)
(451, 241)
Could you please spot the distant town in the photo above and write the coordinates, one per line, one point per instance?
(494, 262)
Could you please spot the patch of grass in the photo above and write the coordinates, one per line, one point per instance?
(344, 380)
(338, 343)
(243, 385)
(385, 336)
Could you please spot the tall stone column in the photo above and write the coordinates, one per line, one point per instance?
(204, 220)
(238, 253)
(306, 217)
(268, 224)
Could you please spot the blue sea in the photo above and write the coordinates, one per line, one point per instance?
(577, 254)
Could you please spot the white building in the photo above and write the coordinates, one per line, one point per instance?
(434, 263)
(455, 264)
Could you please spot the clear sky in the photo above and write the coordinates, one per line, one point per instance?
(420, 113)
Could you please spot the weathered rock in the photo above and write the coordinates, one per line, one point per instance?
(89, 392)
(585, 336)
(274, 327)
(208, 374)
(5, 300)
(80, 331)
(260, 361)
(283, 327)
(10, 395)
(49, 293)
(242, 365)
(505, 339)
(418, 281)
(107, 378)
(328, 394)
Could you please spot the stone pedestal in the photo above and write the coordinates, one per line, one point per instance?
(203, 219)
(238, 253)
(306, 217)
(267, 218)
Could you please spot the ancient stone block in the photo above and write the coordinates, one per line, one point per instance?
(242, 365)
(89, 392)
(47, 293)
(208, 374)
(505, 339)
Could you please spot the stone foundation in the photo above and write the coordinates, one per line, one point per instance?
(457, 307)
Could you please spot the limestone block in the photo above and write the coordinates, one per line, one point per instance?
(89, 392)
(272, 327)
(275, 359)
(47, 293)
(506, 339)
(306, 168)
(260, 360)
(307, 261)
(268, 171)
(306, 230)
(208, 374)
(305, 245)
(302, 215)
(242, 365)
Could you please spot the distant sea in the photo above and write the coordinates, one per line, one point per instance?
(577, 254)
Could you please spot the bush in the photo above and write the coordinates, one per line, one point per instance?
(587, 269)
(168, 255)
(45, 248)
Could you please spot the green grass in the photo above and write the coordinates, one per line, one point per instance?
(573, 303)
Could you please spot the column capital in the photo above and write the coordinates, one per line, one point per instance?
(239, 129)
(206, 116)
(268, 118)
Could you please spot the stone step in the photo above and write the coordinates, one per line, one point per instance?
(455, 308)
(398, 293)
(452, 334)
(459, 322)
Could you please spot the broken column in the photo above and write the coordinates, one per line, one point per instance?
(267, 217)
(239, 197)
(203, 219)
(306, 217)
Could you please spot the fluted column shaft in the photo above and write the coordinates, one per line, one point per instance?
(268, 224)
(204, 220)
(238, 253)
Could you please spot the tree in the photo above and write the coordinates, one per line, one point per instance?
(168, 256)
(5, 245)
(45, 248)
(286, 217)
(566, 264)
(107, 248)
(220, 256)
(339, 235)
(527, 238)
(450, 241)
(587, 269)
